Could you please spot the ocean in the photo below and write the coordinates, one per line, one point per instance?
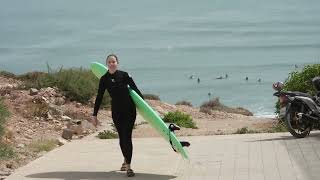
(162, 43)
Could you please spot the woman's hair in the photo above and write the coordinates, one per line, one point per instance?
(115, 56)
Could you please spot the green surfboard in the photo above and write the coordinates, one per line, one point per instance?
(148, 114)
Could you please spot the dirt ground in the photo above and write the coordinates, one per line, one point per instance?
(45, 113)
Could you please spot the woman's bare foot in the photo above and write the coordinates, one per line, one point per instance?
(94, 121)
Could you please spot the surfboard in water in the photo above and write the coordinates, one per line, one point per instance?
(166, 131)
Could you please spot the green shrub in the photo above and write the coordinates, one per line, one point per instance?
(6, 152)
(151, 97)
(7, 74)
(30, 76)
(107, 135)
(301, 81)
(215, 104)
(212, 104)
(180, 119)
(3, 115)
(77, 84)
(279, 127)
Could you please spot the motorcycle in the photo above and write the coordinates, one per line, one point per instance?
(300, 111)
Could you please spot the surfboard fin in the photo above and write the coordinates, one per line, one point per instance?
(184, 143)
(172, 127)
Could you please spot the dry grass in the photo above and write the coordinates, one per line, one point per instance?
(43, 145)
(185, 103)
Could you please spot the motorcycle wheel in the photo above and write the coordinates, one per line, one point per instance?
(297, 128)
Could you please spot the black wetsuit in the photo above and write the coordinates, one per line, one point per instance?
(122, 107)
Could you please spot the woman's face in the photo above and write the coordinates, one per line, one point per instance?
(112, 63)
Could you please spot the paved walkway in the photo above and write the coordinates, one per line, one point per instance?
(251, 156)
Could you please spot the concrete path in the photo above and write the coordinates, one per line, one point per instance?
(251, 156)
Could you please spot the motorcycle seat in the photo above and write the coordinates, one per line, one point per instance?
(296, 93)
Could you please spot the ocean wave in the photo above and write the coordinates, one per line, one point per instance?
(265, 115)
(228, 48)
(239, 24)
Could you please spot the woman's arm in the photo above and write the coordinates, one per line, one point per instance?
(133, 85)
(101, 90)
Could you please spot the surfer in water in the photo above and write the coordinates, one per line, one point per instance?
(122, 106)
(191, 77)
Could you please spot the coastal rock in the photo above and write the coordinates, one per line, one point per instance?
(47, 92)
(244, 111)
(206, 110)
(20, 146)
(5, 89)
(9, 86)
(42, 153)
(49, 116)
(6, 86)
(56, 110)
(58, 127)
(45, 100)
(5, 173)
(160, 110)
(65, 118)
(77, 129)
(9, 134)
(33, 91)
(67, 134)
(59, 101)
(52, 96)
(62, 141)
(9, 165)
(56, 122)
(27, 136)
(87, 125)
